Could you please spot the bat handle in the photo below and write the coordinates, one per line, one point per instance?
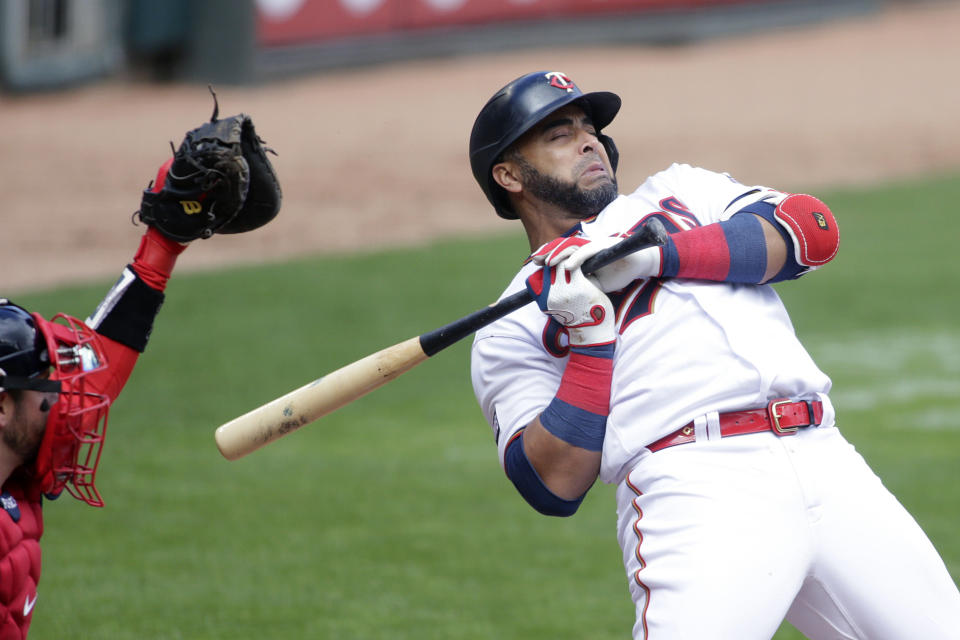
(652, 234)
(434, 341)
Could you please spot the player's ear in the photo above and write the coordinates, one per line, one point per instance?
(506, 175)
(6, 409)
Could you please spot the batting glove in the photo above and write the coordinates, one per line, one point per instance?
(573, 252)
(575, 301)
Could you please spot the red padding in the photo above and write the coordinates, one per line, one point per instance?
(816, 236)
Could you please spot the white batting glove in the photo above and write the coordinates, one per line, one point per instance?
(573, 252)
(575, 301)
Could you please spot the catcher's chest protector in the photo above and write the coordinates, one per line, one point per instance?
(19, 561)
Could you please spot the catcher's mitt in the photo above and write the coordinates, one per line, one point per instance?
(219, 181)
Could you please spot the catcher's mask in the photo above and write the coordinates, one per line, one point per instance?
(516, 108)
(30, 348)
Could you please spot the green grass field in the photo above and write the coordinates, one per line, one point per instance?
(391, 517)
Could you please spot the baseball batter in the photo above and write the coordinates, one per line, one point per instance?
(675, 374)
(59, 377)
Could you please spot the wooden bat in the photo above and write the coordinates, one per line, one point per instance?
(275, 419)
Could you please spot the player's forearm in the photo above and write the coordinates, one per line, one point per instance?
(127, 312)
(744, 249)
(776, 250)
(124, 318)
(155, 258)
(566, 470)
(771, 239)
(560, 455)
(797, 233)
(564, 443)
(569, 473)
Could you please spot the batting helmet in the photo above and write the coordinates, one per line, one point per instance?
(516, 108)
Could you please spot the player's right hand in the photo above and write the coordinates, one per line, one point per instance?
(575, 301)
(574, 251)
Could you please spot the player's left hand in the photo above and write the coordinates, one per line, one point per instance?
(219, 181)
(575, 301)
(574, 251)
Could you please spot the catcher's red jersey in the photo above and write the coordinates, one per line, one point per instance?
(21, 524)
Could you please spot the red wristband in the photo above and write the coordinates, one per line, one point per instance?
(578, 413)
(155, 258)
(586, 382)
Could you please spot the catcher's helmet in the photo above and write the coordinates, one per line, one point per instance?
(516, 108)
(71, 353)
(23, 351)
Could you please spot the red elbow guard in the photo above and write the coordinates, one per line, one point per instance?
(811, 225)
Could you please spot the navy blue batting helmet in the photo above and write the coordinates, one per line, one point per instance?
(516, 108)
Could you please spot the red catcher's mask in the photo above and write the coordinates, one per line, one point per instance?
(77, 423)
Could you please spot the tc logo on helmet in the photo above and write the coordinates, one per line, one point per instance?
(560, 80)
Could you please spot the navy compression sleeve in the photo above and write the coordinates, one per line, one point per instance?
(527, 481)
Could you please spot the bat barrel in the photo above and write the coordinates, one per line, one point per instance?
(312, 401)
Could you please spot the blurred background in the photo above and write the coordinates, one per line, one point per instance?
(56, 43)
(369, 105)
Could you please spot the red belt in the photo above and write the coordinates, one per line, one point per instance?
(782, 416)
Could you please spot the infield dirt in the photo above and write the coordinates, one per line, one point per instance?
(378, 156)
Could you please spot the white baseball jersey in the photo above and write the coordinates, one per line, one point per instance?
(724, 537)
(685, 348)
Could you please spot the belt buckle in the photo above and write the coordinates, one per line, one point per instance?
(775, 417)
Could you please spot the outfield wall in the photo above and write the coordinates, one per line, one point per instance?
(54, 43)
(282, 22)
(48, 44)
(303, 35)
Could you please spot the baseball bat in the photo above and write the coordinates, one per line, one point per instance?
(275, 419)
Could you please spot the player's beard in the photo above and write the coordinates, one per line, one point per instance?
(578, 202)
(27, 431)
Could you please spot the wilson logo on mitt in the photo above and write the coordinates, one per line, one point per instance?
(190, 207)
(218, 181)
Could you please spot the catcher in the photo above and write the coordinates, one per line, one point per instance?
(58, 377)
